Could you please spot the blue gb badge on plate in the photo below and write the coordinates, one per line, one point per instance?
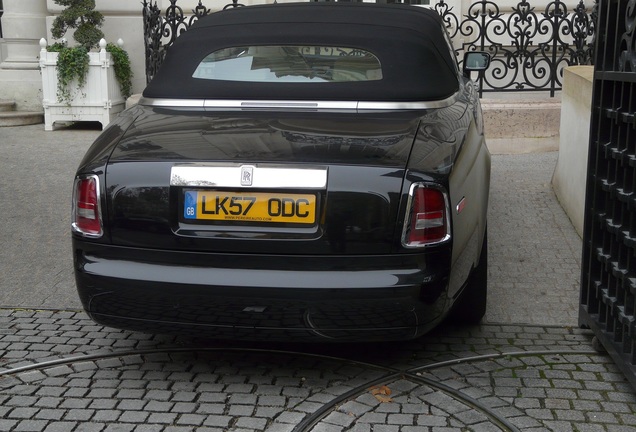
(190, 205)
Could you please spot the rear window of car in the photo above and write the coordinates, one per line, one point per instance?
(289, 64)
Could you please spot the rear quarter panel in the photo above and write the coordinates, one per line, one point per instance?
(469, 184)
(450, 147)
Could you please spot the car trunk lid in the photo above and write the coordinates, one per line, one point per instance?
(327, 183)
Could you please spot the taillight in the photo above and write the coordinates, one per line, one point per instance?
(86, 209)
(427, 221)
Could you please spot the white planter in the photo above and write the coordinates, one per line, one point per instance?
(100, 98)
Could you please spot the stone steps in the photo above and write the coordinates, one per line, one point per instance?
(10, 117)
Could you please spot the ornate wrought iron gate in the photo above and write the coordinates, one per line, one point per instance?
(529, 47)
(608, 281)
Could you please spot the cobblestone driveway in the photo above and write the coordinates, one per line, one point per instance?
(60, 372)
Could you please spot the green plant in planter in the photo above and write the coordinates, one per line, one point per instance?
(73, 62)
(123, 71)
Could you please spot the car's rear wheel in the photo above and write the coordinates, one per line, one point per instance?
(470, 307)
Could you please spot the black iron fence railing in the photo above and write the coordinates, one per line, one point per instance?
(530, 48)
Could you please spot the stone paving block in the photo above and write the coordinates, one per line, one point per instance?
(401, 419)
(82, 415)
(563, 404)
(50, 391)
(569, 415)
(388, 408)
(340, 419)
(272, 400)
(589, 427)
(32, 376)
(602, 417)
(386, 428)
(561, 393)
(621, 428)
(62, 427)
(184, 407)
(626, 395)
(249, 423)
(75, 403)
(242, 399)
(431, 420)
(7, 425)
(213, 397)
(75, 392)
(471, 417)
(276, 427)
(296, 392)
(162, 418)
(159, 395)
(49, 414)
(239, 388)
(364, 428)
(290, 418)
(191, 419)
(134, 417)
(217, 421)
(120, 427)
(20, 401)
(354, 408)
(107, 415)
(270, 412)
(102, 404)
(127, 393)
(181, 429)
(22, 413)
(323, 398)
(616, 407)
(207, 408)
(326, 427)
(411, 408)
(30, 426)
(241, 410)
(308, 407)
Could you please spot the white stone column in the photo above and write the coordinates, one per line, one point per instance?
(23, 24)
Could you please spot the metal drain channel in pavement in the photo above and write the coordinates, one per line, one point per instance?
(391, 374)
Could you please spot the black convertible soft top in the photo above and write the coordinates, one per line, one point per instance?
(417, 62)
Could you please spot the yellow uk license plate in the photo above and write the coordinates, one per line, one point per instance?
(259, 207)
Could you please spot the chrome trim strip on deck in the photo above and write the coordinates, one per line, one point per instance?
(262, 176)
(172, 103)
(373, 106)
(279, 105)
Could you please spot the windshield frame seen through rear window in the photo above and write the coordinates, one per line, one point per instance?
(290, 64)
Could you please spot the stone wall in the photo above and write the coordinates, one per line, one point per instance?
(571, 170)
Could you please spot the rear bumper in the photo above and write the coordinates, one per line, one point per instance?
(344, 298)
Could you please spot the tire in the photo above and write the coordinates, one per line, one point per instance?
(470, 307)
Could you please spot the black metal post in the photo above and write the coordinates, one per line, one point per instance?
(1, 13)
